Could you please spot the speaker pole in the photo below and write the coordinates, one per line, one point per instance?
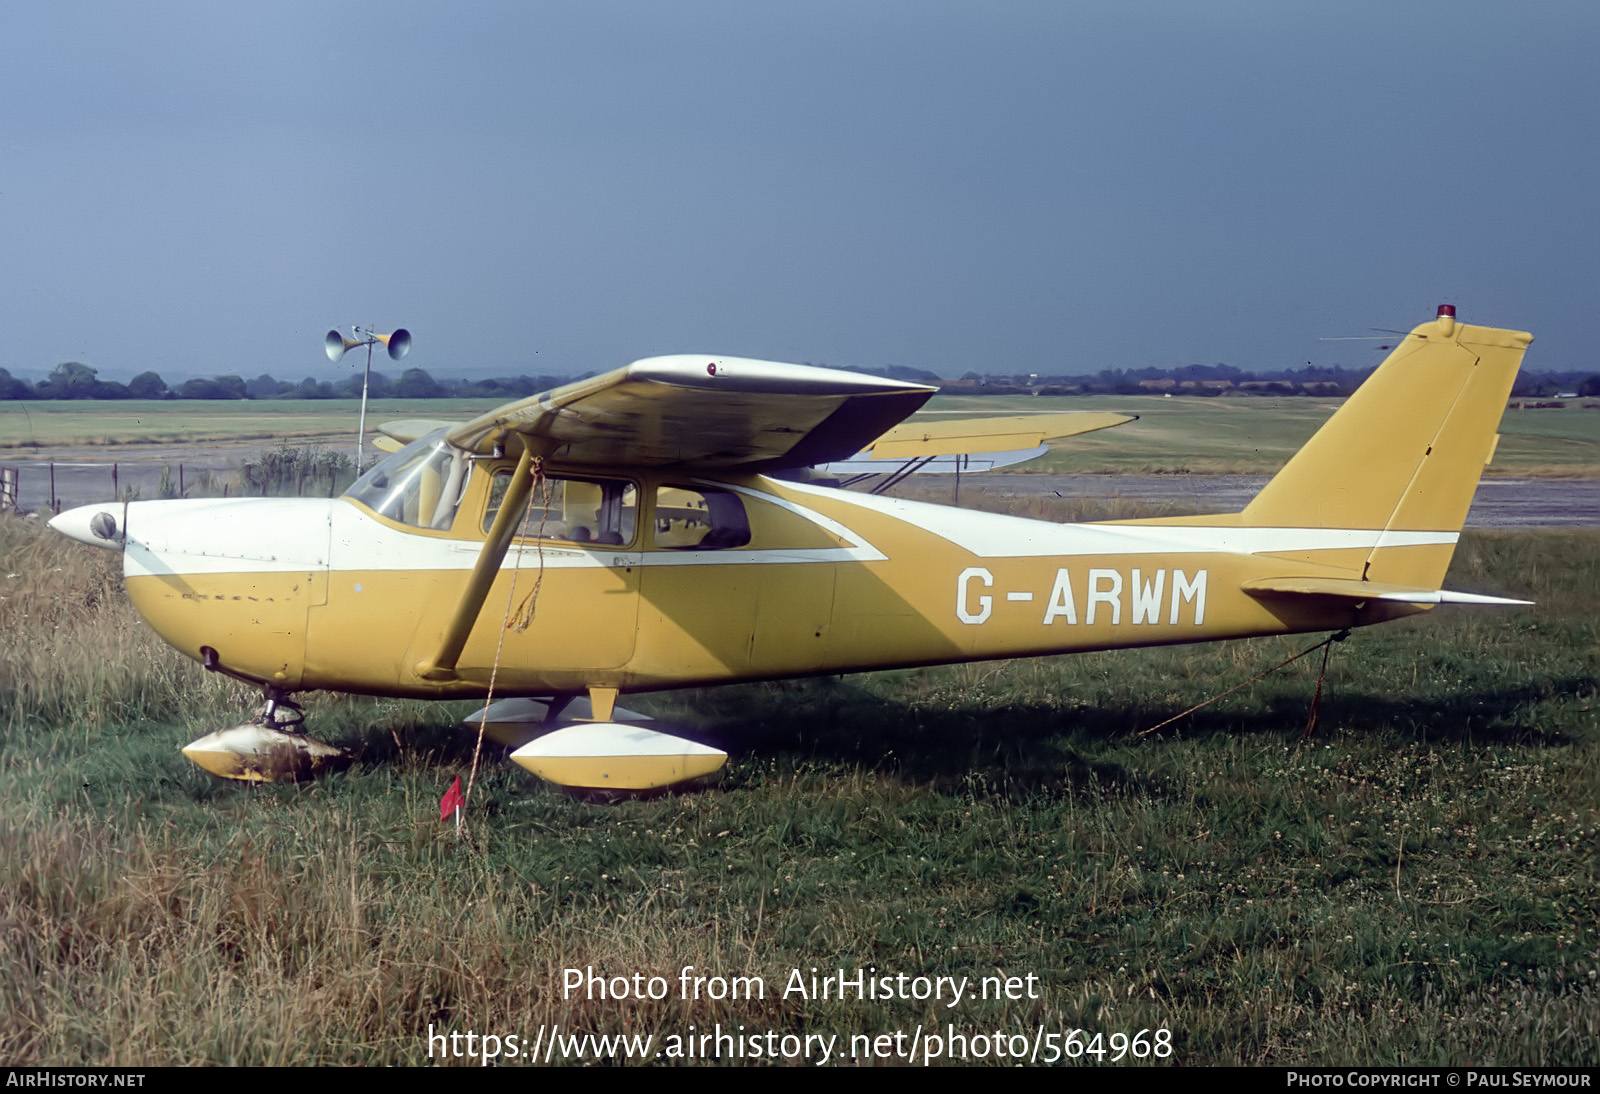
(336, 345)
(361, 429)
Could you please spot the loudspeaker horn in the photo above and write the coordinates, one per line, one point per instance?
(399, 343)
(337, 343)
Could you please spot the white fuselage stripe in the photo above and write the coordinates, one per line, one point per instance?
(992, 535)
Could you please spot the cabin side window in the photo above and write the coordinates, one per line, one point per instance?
(597, 511)
(700, 518)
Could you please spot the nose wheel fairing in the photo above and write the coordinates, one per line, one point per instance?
(270, 748)
(256, 753)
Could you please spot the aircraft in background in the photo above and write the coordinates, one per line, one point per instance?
(655, 528)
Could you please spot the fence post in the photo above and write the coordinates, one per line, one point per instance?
(53, 503)
(113, 481)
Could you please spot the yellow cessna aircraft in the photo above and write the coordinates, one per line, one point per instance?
(654, 528)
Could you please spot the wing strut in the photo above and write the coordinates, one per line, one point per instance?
(442, 665)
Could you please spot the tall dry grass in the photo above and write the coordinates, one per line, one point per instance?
(76, 655)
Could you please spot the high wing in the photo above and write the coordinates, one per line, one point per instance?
(702, 412)
(762, 413)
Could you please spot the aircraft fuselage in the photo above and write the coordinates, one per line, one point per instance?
(327, 594)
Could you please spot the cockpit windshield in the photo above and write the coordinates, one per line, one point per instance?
(421, 485)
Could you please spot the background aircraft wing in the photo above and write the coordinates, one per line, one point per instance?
(703, 412)
(963, 444)
(410, 429)
(967, 436)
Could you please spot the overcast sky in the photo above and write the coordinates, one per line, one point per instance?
(1050, 187)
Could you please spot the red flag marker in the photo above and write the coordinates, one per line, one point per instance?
(452, 800)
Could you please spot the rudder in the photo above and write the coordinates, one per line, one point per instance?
(1404, 453)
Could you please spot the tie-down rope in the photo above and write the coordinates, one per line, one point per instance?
(1326, 646)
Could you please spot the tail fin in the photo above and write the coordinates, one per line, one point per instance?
(1404, 453)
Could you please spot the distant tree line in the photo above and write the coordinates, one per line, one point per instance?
(75, 380)
(1215, 380)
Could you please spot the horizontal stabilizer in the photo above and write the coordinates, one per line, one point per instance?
(1355, 589)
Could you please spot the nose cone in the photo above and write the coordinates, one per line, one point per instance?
(96, 525)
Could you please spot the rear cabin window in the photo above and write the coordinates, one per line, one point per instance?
(699, 519)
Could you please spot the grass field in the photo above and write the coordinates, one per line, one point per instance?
(47, 424)
(1416, 882)
(1180, 435)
